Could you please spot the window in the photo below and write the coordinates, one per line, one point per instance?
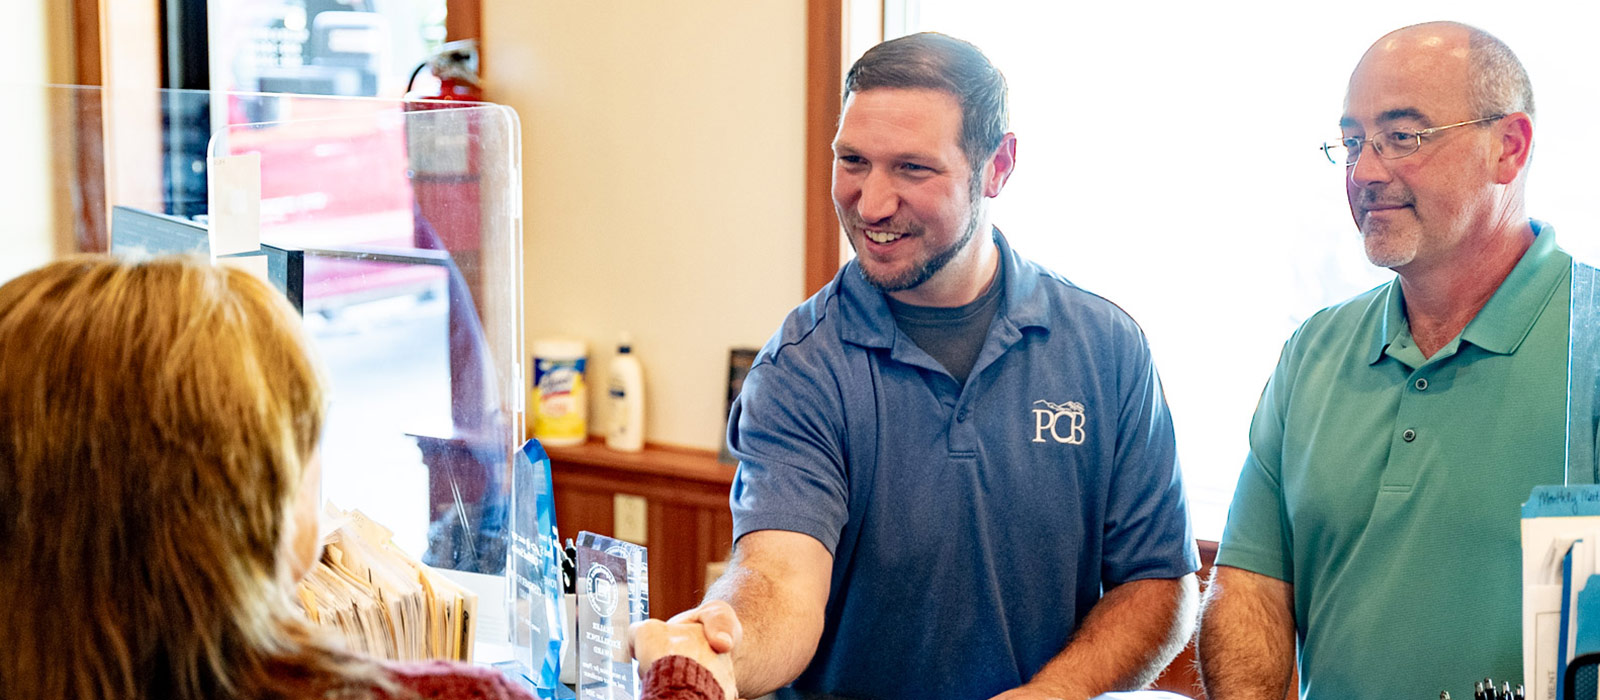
(1132, 179)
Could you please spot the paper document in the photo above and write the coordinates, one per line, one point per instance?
(1560, 529)
(382, 601)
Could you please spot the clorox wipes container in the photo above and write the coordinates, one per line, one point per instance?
(560, 395)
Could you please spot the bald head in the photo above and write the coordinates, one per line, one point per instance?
(1493, 78)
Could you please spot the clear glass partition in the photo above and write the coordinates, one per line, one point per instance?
(396, 229)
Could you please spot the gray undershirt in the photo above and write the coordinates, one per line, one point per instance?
(952, 335)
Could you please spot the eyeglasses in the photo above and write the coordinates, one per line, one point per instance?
(1389, 145)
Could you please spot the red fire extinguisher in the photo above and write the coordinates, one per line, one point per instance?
(456, 68)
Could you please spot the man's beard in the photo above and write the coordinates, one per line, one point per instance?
(1388, 248)
(1386, 243)
(915, 275)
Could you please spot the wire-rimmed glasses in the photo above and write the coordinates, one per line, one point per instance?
(1390, 144)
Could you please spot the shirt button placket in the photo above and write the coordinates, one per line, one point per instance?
(1400, 473)
(1421, 385)
(963, 436)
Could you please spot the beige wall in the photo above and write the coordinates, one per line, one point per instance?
(41, 51)
(662, 146)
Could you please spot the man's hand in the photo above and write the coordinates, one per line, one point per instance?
(721, 624)
(652, 639)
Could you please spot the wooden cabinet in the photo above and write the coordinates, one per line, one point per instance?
(688, 524)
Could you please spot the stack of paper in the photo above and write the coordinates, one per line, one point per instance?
(1560, 583)
(381, 600)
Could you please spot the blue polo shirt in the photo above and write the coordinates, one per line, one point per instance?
(972, 527)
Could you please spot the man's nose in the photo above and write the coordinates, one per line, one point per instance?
(1369, 167)
(879, 198)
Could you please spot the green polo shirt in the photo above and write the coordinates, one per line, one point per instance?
(1386, 487)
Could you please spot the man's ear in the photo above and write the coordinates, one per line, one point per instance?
(1515, 143)
(1001, 163)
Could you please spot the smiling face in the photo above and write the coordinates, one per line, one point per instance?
(908, 200)
(1419, 209)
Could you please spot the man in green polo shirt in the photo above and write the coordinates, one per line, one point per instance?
(1376, 519)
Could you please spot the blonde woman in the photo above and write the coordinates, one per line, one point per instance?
(158, 431)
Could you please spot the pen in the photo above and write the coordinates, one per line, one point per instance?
(569, 567)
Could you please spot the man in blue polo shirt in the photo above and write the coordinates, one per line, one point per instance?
(1376, 523)
(957, 474)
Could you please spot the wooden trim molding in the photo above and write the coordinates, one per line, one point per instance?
(82, 110)
(463, 19)
(86, 41)
(824, 66)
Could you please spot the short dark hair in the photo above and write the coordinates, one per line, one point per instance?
(940, 62)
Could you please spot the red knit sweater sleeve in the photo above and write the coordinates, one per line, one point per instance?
(679, 678)
(444, 680)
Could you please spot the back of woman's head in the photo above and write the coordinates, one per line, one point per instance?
(155, 419)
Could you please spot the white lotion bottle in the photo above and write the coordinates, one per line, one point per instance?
(625, 393)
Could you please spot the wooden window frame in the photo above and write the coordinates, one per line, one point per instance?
(463, 19)
(824, 65)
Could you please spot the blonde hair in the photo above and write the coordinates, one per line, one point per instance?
(155, 420)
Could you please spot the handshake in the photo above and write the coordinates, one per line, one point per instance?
(706, 635)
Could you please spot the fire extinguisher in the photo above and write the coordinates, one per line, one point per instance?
(456, 67)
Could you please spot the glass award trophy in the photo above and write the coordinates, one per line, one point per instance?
(613, 593)
(538, 617)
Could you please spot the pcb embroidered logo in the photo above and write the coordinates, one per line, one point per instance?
(1057, 418)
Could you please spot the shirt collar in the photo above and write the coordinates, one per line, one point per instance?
(1502, 324)
(867, 320)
